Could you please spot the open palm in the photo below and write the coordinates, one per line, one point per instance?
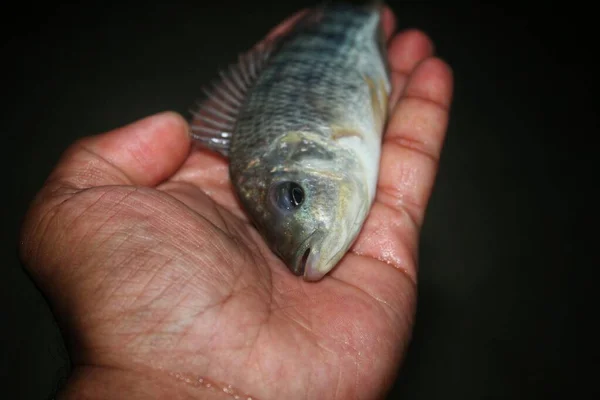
(163, 287)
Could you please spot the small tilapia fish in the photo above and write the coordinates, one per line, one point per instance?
(301, 119)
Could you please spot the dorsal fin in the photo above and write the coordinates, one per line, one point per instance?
(215, 115)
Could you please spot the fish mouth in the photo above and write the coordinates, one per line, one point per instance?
(317, 257)
(308, 258)
(311, 258)
(304, 259)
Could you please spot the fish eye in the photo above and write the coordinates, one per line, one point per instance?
(288, 195)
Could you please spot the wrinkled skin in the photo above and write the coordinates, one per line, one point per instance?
(158, 279)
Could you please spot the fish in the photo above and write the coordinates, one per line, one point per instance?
(300, 119)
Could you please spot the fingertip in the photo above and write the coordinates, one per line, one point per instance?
(388, 19)
(164, 132)
(408, 48)
(162, 123)
(175, 125)
(168, 127)
(286, 24)
(144, 152)
(173, 117)
(433, 80)
(153, 147)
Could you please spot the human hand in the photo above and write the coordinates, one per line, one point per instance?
(163, 287)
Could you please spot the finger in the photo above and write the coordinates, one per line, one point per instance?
(287, 24)
(414, 138)
(412, 146)
(142, 153)
(388, 20)
(405, 51)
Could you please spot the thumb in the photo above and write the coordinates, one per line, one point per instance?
(142, 153)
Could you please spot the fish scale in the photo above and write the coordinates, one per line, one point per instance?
(302, 132)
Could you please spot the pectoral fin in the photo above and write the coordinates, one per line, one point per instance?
(379, 101)
(339, 132)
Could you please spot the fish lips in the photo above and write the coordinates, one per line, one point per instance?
(308, 257)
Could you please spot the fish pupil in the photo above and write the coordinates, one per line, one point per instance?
(289, 195)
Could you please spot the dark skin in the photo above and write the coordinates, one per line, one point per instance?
(163, 287)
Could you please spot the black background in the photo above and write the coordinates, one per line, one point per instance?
(502, 261)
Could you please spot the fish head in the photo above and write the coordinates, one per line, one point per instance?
(313, 217)
(309, 205)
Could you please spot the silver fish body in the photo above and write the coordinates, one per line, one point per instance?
(301, 121)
